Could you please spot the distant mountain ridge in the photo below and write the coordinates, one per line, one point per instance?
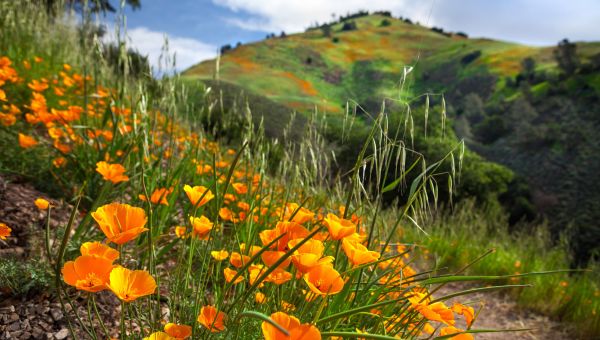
(364, 60)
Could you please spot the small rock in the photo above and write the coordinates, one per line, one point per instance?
(26, 335)
(57, 314)
(49, 336)
(45, 326)
(25, 325)
(62, 334)
(8, 309)
(14, 326)
(37, 333)
(17, 334)
(14, 317)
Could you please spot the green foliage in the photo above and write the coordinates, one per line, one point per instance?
(33, 165)
(385, 23)
(458, 235)
(22, 279)
(138, 65)
(566, 56)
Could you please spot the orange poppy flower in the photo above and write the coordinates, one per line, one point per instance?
(178, 331)
(238, 260)
(305, 332)
(279, 276)
(324, 280)
(158, 336)
(99, 249)
(251, 250)
(466, 311)
(260, 298)
(198, 195)
(26, 142)
(301, 215)
(7, 119)
(254, 272)
(229, 198)
(129, 285)
(219, 255)
(120, 222)
(89, 273)
(240, 188)
(270, 257)
(292, 325)
(41, 203)
(453, 330)
(339, 227)
(204, 169)
(227, 215)
(437, 311)
(59, 162)
(111, 172)
(180, 231)
(4, 231)
(288, 307)
(37, 86)
(211, 319)
(230, 273)
(308, 255)
(202, 226)
(290, 230)
(357, 253)
(221, 164)
(158, 196)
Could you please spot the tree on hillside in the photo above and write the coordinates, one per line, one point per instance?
(566, 56)
(473, 108)
(527, 70)
(326, 29)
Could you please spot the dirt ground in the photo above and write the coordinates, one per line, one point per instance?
(501, 312)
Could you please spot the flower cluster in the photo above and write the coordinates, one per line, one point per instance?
(220, 236)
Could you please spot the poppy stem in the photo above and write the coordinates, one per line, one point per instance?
(122, 335)
(104, 329)
(47, 237)
(320, 310)
(90, 319)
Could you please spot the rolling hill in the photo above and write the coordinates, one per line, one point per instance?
(535, 110)
(326, 68)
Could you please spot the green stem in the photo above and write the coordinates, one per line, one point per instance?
(122, 335)
(48, 251)
(104, 329)
(89, 313)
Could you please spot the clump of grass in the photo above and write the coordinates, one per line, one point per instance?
(19, 279)
(456, 236)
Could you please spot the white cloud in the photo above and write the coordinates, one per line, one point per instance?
(150, 43)
(296, 15)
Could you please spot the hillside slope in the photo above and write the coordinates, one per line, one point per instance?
(365, 64)
(513, 104)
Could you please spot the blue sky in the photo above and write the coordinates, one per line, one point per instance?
(196, 28)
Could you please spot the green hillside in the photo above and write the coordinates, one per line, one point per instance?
(513, 104)
(312, 69)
